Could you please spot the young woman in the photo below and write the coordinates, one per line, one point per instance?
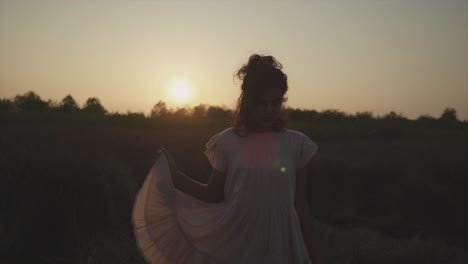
(254, 208)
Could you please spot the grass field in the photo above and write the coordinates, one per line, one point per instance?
(67, 191)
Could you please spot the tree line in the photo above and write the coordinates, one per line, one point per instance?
(30, 102)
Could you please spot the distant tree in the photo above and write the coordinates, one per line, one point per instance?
(216, 112)
(426, 118)
(30, 102)
(135, 116)
(53, 105)
(393, 124)
(296, 114)
(333, 115)
(69, 105)
(299, 115)
(312, 115)
(392, 116)
(449, 115)
(181, 112)
(159, 110)
(94, 106)
(364, 116)
(199, 111)
(426, 121)
(449, 119)
(6, 105)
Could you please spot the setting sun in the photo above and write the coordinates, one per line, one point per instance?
(180, 90)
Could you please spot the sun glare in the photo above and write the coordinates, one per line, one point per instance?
(180, 90)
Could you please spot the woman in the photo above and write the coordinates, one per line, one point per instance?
(254, 208)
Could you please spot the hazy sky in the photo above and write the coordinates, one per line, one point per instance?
(407, 56)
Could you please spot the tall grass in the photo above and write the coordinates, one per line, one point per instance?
(67, 191)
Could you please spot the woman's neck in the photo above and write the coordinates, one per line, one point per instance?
(255, 130)
(243, 131)
(262, 130)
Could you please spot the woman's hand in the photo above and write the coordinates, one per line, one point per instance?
(171, 161)
(179, 180)
(192, 187)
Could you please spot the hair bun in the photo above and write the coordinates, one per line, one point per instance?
(263, 62)
(259, 63)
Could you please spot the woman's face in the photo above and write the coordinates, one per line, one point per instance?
(268, 109)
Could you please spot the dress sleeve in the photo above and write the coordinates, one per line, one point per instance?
(307, 149)
(216, 153)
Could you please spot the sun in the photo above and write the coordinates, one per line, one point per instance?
(180, 90)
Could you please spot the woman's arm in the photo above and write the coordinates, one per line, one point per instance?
(303, 211)
(212, 192)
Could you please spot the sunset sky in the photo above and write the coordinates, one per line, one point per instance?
(407, 56)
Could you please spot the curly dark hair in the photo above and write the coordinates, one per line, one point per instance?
(260, 74)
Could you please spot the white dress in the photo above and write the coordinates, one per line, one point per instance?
(256, 223)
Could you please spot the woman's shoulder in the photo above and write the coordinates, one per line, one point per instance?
(225, 133)
(235, 131)
(298, 136)
(231, 131)
(221, 135)
(294, 133)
